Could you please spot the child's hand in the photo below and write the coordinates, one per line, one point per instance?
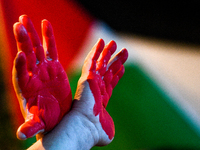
(39, 79)
(100, 75)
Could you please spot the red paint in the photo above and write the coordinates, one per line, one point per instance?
(42, 81)
(102, 78)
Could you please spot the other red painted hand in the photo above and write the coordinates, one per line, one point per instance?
(100, 75)
(40, 82)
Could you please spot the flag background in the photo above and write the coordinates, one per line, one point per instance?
(156, 104)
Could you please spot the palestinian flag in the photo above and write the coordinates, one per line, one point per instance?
(154, 106)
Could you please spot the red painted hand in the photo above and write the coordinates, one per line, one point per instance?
(99, 77)
(40, 81)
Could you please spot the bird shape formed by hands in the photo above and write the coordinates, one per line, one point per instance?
(43, 89)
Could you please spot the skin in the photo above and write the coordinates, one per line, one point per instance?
(87, 123)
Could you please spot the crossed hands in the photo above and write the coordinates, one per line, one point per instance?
(43, 89)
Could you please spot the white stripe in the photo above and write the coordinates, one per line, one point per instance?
(176, 69)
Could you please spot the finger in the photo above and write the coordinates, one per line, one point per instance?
(117, 61)
(31, 127)
(37, 46)
(22, 74)
(49, 43)
(114, 81)
(109, 49)
(114, 65)
(117, 77)
(107, 78)
(24, 44)
(92, 57)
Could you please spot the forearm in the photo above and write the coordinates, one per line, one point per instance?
(75, 131)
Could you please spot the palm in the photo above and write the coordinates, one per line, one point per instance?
(40, 81)
(48, 81)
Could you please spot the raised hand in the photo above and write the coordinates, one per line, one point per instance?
(100, 75)
(40, 81)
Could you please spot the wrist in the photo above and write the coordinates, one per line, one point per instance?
(75, 131)
(85, 131)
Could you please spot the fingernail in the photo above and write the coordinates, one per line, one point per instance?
(19, 31)
(22, 17)
(112, 45)
(47, 29)
(21, 135)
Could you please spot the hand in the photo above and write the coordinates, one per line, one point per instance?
(40, 82)
(99, 77)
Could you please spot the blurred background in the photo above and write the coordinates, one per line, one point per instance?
(156, 105)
